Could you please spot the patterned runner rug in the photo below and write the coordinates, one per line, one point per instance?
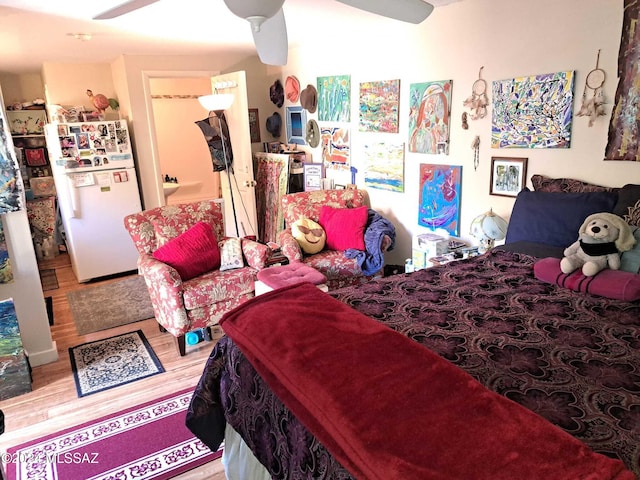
(143, 442)
(110, 305)
(112, 362)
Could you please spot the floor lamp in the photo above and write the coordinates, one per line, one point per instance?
(217, 104)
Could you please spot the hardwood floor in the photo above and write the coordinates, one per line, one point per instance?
(53, 404)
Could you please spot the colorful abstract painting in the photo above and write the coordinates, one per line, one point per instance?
(334, 98)
(379, 106)
(624, 129)
(11, 193)
(439, 207)
(533, 112)
(429, 117)
(384, 166)
(6, 273)
(335, 145)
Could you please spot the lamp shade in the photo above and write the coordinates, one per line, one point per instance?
(216, 102)
(488, 228)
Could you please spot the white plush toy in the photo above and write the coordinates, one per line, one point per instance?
(603, 237)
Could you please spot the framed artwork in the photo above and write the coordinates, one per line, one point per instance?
(440, 187)
(27, 122)
(254, 125)
(508, 176)
(334, 98)
(312, 176)
(296, 123)
(430, 117)
(384, 166)
(336, 146)
(624, 138)
(379, 106)
(533, 112)
(35, 157)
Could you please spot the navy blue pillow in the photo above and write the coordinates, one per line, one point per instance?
(554, 218)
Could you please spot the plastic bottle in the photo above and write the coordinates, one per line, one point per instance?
(408, 265)
(195, 337)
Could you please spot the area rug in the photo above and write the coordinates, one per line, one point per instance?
(149, 441)
(48, 279)
(110, 305)
(112, 362)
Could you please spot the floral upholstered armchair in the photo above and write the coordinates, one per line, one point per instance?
(185, 304)
(341, 267)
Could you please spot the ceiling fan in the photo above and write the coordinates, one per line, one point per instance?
(269, 27)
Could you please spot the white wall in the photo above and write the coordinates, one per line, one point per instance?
(510, 38)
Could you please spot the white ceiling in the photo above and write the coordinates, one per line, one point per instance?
(37, 31)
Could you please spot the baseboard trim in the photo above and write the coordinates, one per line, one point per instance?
(41, 358)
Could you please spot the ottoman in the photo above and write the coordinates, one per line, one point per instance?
(285, 275)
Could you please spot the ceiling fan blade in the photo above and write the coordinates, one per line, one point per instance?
(271, 40)
(412, 11)
(123, 8)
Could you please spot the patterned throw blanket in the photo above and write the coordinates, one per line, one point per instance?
(569, 357)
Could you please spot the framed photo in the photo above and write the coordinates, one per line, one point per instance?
(312, 176)
(508, 176)
(296, 123)
(254, 125)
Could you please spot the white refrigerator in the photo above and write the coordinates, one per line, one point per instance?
(96, 185)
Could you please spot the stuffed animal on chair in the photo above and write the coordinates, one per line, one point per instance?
(602, 238)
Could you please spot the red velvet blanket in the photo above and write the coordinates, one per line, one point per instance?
(387, 407)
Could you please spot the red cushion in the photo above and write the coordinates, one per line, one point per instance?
(192, 253)
(344, 227)
(607, 283)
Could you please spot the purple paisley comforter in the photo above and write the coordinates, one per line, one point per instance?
(572, 358)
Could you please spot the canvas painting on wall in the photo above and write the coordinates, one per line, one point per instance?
(11, 188)
(533, 112)
(6, 273)
(335, 145)
(440, 187)
(384, 166)
(379, 106)
(624, 134)
(334, 98)
(429, 117)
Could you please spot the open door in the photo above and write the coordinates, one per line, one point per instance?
(241, 196)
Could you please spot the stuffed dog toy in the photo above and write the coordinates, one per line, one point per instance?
(602, 238)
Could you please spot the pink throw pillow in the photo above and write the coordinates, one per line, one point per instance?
(192, 253)
(344, 227)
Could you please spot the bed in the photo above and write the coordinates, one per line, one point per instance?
(568, 358)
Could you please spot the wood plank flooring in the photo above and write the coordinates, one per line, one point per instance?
(54, 405)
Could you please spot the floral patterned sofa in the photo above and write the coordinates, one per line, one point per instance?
(339, 270)
(182, 306)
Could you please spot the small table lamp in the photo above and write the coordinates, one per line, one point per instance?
(488, 228)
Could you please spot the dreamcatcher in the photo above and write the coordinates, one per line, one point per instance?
(478, 100)
(593, 107)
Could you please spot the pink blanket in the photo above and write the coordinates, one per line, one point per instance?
(387, 407)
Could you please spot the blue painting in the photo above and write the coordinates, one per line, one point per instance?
(11, 193)
(440, 187)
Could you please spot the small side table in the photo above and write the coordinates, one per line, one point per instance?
(290, 274)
